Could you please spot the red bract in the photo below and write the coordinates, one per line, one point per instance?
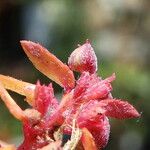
(82, 115)
(45, 102)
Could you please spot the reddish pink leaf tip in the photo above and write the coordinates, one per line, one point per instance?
(119, 109)
(26, 43)
(31, 47)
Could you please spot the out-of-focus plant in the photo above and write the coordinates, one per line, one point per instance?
(80, 120)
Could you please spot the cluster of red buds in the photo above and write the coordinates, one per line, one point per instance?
(80, 120)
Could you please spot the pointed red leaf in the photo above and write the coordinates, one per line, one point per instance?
(45, 102)
(92, 87)
(118, 109)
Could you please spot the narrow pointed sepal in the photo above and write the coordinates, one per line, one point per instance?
(48, 64)
(83, 59)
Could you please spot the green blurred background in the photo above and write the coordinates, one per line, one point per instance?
(120, 34)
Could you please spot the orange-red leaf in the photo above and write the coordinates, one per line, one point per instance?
(88, 140)
(97, 123)
(14, 109)
(18, 86)
(48, 64)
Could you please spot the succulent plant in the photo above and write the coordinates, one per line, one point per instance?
(80, 120)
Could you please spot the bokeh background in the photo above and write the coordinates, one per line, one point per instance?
(120, 34)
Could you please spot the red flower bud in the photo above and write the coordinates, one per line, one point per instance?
(83, 59)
